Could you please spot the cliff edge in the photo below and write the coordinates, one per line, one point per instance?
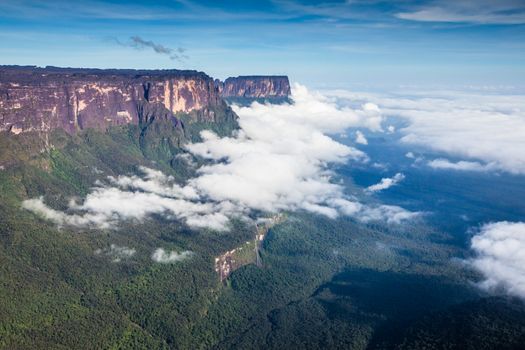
(73, 99)
(43, 99)
(256, 86)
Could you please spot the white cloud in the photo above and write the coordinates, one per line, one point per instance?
(365, 213)
(117, 253)
(187, 158)
(442, 163)
(392, 214)
(410, 155)
(154, 181)
(38, 206)
(380, 166)
(163, 257)
(311, 109)
(136, 199)
(500, 256)
(277, 161)
(386, 183)
(360, 138)
(347, 207)
(488, 128)
(474, 125)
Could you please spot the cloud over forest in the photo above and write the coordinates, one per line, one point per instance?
(279, 160)
(500, 256)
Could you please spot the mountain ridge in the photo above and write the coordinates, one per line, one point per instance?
(256, 86)
(43, 99)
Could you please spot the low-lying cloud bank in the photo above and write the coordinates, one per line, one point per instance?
(386, 183)
(483, 128)
(500, 256)
(488, 128)
(135, 198)
(277, 161)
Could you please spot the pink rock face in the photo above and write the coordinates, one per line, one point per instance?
(256, 87)
(43, 99)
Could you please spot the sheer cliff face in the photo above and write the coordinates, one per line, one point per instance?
(256, 87)
(35, 99)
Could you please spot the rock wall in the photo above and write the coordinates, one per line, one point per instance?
(42, 99)
(256, 86)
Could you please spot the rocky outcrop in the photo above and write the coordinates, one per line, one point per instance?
(255, 87)
(43, 99)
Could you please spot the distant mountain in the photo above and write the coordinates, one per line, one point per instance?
(273, 87)
(256, 86)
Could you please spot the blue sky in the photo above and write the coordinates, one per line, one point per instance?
(332, 44)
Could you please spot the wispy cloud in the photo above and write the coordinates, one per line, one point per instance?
(333, 11)
(164, 257)
(133, 11)
(97, 9)
(466, 11)
(360, 138)
(136, 198)
(136, 42)
(117, 253)
(461, 165)
(392, 214)
(386, 183)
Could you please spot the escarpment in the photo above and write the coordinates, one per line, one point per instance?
(74, 99)
(43, 99)
(256, 86)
